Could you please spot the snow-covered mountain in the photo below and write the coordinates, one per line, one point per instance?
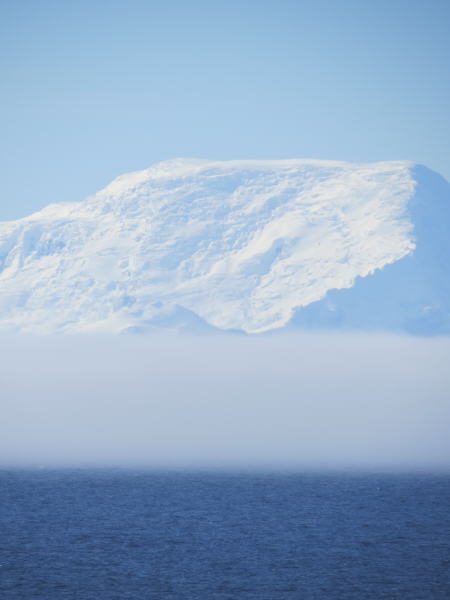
(242, 245)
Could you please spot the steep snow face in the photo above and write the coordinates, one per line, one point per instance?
(233, 245)
(411, 295)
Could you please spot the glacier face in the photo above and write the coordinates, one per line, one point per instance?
(241, 245)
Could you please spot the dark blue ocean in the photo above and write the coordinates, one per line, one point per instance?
(137, 535)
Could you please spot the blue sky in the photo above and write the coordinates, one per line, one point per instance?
(94, 89)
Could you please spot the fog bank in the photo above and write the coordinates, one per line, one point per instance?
(276, 402)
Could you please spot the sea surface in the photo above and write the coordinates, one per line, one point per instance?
(111, 534)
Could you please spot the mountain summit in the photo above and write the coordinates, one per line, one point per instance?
(243, 245)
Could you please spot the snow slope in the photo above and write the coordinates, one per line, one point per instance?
(242, 245)
(411, 295)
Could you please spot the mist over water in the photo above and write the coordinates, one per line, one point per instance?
(327, 401)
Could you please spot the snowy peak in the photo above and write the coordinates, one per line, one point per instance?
(242, 245)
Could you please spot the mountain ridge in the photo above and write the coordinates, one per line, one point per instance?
(250, 246)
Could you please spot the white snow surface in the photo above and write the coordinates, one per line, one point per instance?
(239, 244)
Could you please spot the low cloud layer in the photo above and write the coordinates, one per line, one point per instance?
(274, 402)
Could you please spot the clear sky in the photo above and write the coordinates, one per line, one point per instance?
(92, 89)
